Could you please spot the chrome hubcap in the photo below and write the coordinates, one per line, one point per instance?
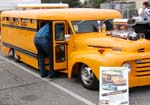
(87, 75)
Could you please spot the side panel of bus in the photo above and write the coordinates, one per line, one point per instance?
(17, 35)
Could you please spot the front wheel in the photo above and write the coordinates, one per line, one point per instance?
(88, 79)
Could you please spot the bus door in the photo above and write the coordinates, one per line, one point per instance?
(59, 45)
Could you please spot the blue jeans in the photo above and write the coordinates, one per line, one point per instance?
(42, 45)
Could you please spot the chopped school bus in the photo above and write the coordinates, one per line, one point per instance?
(84, 47)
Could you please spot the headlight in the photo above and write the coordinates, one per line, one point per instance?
(127, 65)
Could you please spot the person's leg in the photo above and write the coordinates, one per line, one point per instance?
(41, 57)
(51, 71)
(42, 65)
(47, 51)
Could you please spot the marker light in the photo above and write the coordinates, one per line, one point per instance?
(101, 50)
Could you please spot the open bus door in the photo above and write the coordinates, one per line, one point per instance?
(59, 45)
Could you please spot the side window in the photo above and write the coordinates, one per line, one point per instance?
(4, 18)
(16, 21)
(60, 53)
(59, 31)
(7, 18)
(33, 21)
(24, 22)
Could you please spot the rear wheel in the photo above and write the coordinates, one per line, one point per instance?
(11, 53)
(88, 79)
(15, 56)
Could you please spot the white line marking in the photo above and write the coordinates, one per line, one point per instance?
(84, 100)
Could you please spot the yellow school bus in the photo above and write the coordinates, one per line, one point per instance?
(0, 29)
(84, 47)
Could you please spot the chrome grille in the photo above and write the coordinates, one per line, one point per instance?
(142, 67)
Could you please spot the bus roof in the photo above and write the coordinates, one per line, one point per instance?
(64, 14)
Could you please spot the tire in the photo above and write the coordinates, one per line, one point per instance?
(11, 52)
(16, 57)
(88, 79)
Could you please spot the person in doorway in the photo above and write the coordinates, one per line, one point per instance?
(41, 41)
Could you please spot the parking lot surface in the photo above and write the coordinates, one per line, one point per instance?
(22, 85)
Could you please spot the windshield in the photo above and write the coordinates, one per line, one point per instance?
(87, 26)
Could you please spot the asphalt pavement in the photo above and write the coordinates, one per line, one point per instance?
(18, 87)
(22, 85)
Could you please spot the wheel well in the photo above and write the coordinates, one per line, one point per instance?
(76, 68)
(91, 83)
(11, 51)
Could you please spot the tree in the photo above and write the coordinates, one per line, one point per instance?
(96, 3)
(72, 3)
(50, 1)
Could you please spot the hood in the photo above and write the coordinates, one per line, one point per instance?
(102, 41)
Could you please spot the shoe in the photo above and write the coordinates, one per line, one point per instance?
(44, 76)
(56, 75)
(51, 76)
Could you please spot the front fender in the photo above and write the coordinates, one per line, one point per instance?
(90, 59)
(95, 60)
